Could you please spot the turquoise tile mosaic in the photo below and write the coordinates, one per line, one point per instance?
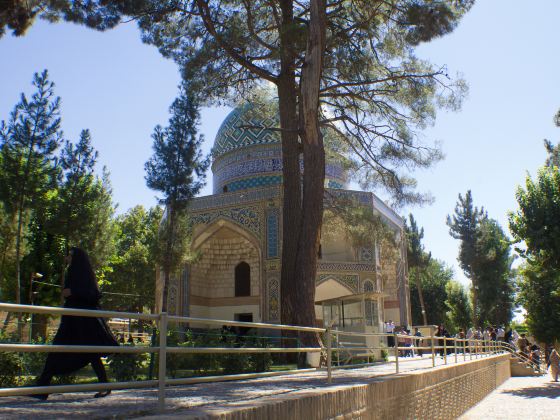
(272, 222)
(256, 182)
(240, 130)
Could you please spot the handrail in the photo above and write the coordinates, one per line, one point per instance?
(478, 348)
(186, 319)
(51, 310)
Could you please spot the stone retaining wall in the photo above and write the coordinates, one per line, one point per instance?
(441, 393)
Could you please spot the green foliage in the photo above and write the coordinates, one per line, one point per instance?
(416, 254)
(202, 364)
(8, 230)
(249, 362)
(349, 219)
(434, 279)
(417, 259)
(28, 141)
(385, 355)
(495, 277)
(10, 369)
(463, 226)
(485, 257)
(126, 367)
(540, 296)
(177, 170)
(47, 202)
(536, 224)
(459, 311)
(132, 270)
(536, 221)
(33, 362)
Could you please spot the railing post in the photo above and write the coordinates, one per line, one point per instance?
(433, 347)
(337, 348)
(455, 348)
(464, 349)
(162, 366)
(329, 355)
(396, 351)
(445, 349)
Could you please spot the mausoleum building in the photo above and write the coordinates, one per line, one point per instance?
(237, 235)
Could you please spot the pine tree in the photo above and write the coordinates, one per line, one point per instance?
(463, 226)
(417, 259)
(177, 170)
(494, 274)
(28, 142)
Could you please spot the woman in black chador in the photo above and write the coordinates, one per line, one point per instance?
(80, 291)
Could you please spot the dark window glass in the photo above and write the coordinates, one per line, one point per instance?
(242, 279)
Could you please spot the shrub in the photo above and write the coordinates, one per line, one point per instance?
(385, 355)
(126, 367)
(259, 362)
(233, 363)
(32, 364)
(10, 369)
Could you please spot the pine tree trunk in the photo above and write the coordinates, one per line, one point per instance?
(18, 268)
(63, 268)
(313, 172)
(291, 203)
(475, 301)
(167, 261)
(421, 297)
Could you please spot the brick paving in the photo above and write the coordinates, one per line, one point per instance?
(140, 403)
(527, 398)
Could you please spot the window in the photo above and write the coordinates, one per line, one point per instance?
(242, 279)
(224, 189)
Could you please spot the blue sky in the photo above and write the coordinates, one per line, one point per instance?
(507, 51)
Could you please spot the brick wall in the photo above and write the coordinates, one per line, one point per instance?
(441, 393)
(212, 276)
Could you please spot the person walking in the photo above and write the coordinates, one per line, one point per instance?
(522, 344)
(419, 342)
(554, 363)
(82, 292)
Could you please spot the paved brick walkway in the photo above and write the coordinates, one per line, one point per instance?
(138, 403)
(527, 398)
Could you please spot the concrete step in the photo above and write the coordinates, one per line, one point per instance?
(520, 368)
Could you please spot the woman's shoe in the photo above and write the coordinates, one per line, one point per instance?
(42, 397)
(102, 394)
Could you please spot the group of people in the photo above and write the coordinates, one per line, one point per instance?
(474, 336)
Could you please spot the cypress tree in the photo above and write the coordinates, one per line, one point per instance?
(177, 170)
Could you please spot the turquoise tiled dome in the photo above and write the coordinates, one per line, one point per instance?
(242, 129)
(247, 154)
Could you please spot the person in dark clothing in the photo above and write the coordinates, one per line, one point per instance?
(440, 333)
(508, 335)
(80, 291)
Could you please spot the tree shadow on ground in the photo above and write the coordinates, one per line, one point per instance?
(551, 390)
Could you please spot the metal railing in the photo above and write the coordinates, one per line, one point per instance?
(444, 345)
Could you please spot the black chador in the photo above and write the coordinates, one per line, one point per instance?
(80, 291)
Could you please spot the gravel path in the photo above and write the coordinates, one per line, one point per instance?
(138, 403)
(527, 398)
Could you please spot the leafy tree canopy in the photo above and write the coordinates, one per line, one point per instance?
(434, 278)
